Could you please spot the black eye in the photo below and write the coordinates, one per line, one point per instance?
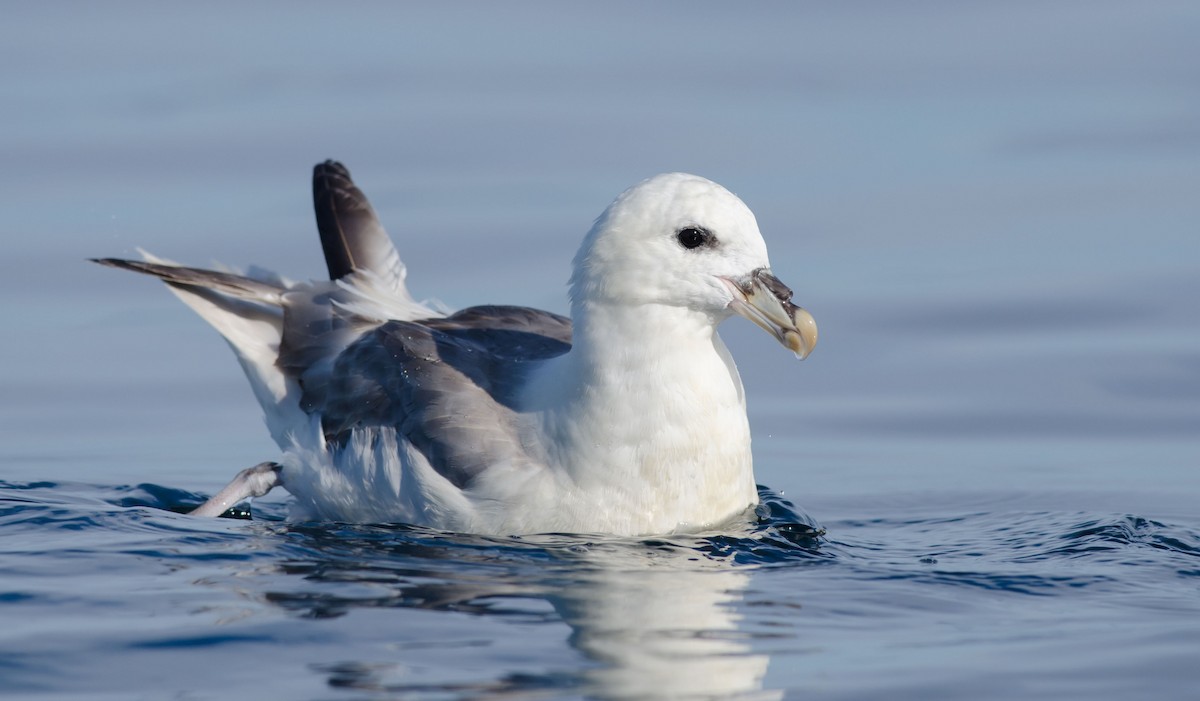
(695, 237)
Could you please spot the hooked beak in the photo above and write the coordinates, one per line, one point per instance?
(763, 299)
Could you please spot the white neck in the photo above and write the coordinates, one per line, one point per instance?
(680, 456)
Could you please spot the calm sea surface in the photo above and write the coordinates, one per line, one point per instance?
(993, 212)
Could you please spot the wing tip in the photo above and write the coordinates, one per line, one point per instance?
(331, 167)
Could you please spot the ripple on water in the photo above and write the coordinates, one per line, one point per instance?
(703, 600)
(1030, 553)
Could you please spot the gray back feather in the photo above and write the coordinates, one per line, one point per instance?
(448, 386)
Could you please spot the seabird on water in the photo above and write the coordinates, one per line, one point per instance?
(629, 418)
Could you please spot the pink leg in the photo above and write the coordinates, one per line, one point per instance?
(251, 482)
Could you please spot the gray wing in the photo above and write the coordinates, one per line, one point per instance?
(242, 296)
(448, 386)
(351, 236)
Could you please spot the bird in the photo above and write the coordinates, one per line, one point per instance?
(628, 418)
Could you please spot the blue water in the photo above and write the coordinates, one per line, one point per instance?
(990, 210)
(117, 597)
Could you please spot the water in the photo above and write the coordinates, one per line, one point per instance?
(120, 598)
(991, 212)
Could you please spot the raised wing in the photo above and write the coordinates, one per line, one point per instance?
(351, 236)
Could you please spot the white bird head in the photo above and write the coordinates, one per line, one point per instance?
(684, 241)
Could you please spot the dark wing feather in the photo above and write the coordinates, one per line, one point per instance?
(243, 296)
(228, 283)
(448, 386)
(351, 236)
